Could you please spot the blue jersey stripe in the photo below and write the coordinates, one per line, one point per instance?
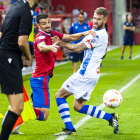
(86, 62)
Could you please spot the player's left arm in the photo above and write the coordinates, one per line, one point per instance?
(0, 35)
(74, 37)
(79, 47)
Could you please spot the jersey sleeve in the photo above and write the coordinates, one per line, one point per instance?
(88, 40)
(25, 25)
(58, 34)
(39, 39)
(71, 29)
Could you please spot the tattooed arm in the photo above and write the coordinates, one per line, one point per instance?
(79, 47)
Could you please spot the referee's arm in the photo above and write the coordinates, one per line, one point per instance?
(25, 28)
(24, 46)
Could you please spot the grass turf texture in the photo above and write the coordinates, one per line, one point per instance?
(117, 74)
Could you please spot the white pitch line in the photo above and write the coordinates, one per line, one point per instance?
(101, 106)
(136, 57)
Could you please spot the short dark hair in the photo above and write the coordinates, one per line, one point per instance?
(41, 16)
(81, 13)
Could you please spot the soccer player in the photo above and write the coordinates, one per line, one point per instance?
(82, 83)
(45, 55)
(129, 28)
(14, 40)
(78, 27)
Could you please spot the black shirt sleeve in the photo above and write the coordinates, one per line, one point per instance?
(25, 25)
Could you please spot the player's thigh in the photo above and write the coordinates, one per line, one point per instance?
(74, 57)
(40, 91)
(80, 86)
(10, 74)
(62, 93)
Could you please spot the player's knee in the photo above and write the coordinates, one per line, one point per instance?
(17, 109)
(57, 95)
(76, 108)
(46, 114)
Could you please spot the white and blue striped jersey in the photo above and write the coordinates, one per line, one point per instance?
(92, 57)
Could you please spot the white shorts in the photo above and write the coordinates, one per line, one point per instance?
(80, 86)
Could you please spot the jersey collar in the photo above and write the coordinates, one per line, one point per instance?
(44, 32)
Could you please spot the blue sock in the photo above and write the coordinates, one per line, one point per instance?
(64, 112)
(95, 112)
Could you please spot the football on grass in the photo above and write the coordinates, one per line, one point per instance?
(112, 98)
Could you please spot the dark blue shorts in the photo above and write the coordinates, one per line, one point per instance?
(75, 57)
(31, 49)
(40, 91)
(128, 41)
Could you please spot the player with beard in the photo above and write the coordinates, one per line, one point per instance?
(82, 83)
(45, 55)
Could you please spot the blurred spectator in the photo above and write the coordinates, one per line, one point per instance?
(1, 5)
(77, 27)
(51, 10)
(86, 14)
(75, 11)
(80, 10)
(90, 23)
(129, 28)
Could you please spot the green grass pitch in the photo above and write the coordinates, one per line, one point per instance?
(117, 73)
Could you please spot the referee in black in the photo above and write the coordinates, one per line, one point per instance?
(13, 42)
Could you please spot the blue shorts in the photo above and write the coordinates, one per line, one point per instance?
(75, 57)
(40, 91)
(31, 48)
(128, 41)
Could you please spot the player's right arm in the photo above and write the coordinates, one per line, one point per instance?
(45, 48)
(79, 47)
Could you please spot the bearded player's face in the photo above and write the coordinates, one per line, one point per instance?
(45, 25)
(98, 21)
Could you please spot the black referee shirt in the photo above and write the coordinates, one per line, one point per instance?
(18, 21)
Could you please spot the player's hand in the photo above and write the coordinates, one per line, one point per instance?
(54, 47)
(55, 39)
(27, 63)
(93, 33)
